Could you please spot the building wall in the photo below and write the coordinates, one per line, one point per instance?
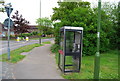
(4, 31)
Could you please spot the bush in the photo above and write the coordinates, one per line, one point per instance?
(28, 34)
(25, 35)
(84, 16)
(34, 33)
(12, 35)
(55, 48)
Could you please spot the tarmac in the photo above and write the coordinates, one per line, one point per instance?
(38, 64)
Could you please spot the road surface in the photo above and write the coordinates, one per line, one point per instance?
(15, 44)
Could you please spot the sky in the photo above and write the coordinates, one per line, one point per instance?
(30, 9)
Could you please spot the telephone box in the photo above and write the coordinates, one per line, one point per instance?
(70, 53)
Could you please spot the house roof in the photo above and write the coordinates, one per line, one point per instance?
(71, 28)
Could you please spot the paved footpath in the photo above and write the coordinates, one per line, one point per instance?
(38, 64)
(6, 71)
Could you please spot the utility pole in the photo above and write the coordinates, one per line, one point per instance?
(40, 25)
(97, 55)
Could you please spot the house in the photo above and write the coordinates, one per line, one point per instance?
(33, 28)
(4, 30)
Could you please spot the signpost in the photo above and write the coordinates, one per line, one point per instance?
(8, 23)
(8, 10)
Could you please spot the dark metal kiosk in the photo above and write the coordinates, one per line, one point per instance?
(70, 53)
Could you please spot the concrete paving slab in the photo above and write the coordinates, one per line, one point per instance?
(39, 64)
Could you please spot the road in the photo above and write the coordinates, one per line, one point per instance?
(15, 44)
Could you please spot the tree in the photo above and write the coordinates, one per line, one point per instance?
(1, 8)
(20, 24)
(79, 14)
(45, 25)
(118, 27)
(113, 10)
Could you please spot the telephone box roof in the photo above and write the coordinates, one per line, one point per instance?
(71, 28)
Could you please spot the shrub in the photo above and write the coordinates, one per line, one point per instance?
(25, 35)
(55, 48)
(34, 33)
(83, 16)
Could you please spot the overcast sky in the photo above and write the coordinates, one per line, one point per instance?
(30, 9)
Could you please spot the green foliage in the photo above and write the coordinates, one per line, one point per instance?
(26, 34)
(118, 26)
(112, 9)
(45, 26)
(108, 70)
(55, 48)
(47, 42)
(34, 33)
(56, 32)
(79, 14)
(2, 9)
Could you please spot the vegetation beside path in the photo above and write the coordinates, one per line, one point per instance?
(108, 65)
(16, 54)
(15, 38)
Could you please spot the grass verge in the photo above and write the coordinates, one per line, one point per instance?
(108, 66)
(47, 42)
(41, 38)
(16, 54)
(31, 38)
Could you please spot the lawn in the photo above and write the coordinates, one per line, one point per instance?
(30, 38)
(41, 38)
(16, 54)
(47, 42)
(108, 67)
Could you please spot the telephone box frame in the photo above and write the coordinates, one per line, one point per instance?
(64, 53)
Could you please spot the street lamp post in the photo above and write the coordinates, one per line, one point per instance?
(40, 25)
(97, 55)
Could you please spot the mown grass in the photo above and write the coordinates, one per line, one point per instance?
(16, 56)
(108, 66)
(31, 38)
(47, 42)
(41, 38)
